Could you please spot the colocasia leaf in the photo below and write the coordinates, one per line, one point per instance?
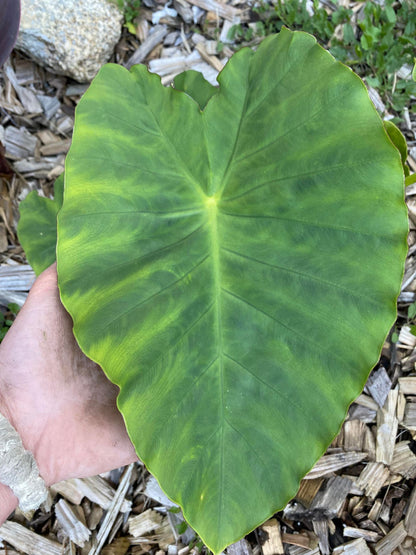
(37, 226)
(234, 270)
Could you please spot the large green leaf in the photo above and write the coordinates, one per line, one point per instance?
(37, 226)
(235, 270)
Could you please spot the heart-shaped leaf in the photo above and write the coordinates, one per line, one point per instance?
(37, 226)
(234, 271)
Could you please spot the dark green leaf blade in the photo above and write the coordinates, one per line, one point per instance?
(196, 86)
(239, 283)
(37, 226)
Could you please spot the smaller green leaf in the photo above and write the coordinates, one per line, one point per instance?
(390, 14)
(131, 28)
(194, 85)
(411, 311)
(394, 337)
(13, 308)
(410, 179)
(373, 81)
(396, 137)
(349, 35)
(182, 528)
(364, 42)
(37, 227)
(414, 71)
(174, 510)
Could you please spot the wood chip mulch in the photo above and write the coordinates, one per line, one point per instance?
(360, 497)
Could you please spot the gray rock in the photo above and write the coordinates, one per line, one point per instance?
(70, 37)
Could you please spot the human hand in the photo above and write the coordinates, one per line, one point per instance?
(59, 401)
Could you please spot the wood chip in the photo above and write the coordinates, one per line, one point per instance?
(406, 338)
(331, 463)
(326, 503)
(320, 527)
(409, 420)
(50, 105)
(64, 125)
(407, 385)
(273, 544)
(366, 401)
(68, 489)
(379, 385)
(95, 517)
(368, 535)
(221, 10)
(392, 540)
(26, 96)
(331, 496)
(410, 519)
(359, 412)
(356, 547)
(118, 547)
(169, 67)
(301, 540)
(73, 528)
(144, 523)
(25, 71)
(387, 425)
(3, 238)
(242, 547)
(184, 10)
(373, 477)
(14, 281)
(154, 491)
(307, 491)
(36, 168)
(354, 432)
(293, 550)
(401, 407)
(27, 541)
(59, 146)
(76, 89)
(153, 39)
(404, 460)
(19, 142)
(211, 60)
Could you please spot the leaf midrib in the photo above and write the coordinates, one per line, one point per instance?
(215, 253)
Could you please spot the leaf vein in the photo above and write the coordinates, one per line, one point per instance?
(304, 275)
(317, 172)
(253, 450)
(316, 347)
(268, 385)
(165, 288)
(303, 222)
